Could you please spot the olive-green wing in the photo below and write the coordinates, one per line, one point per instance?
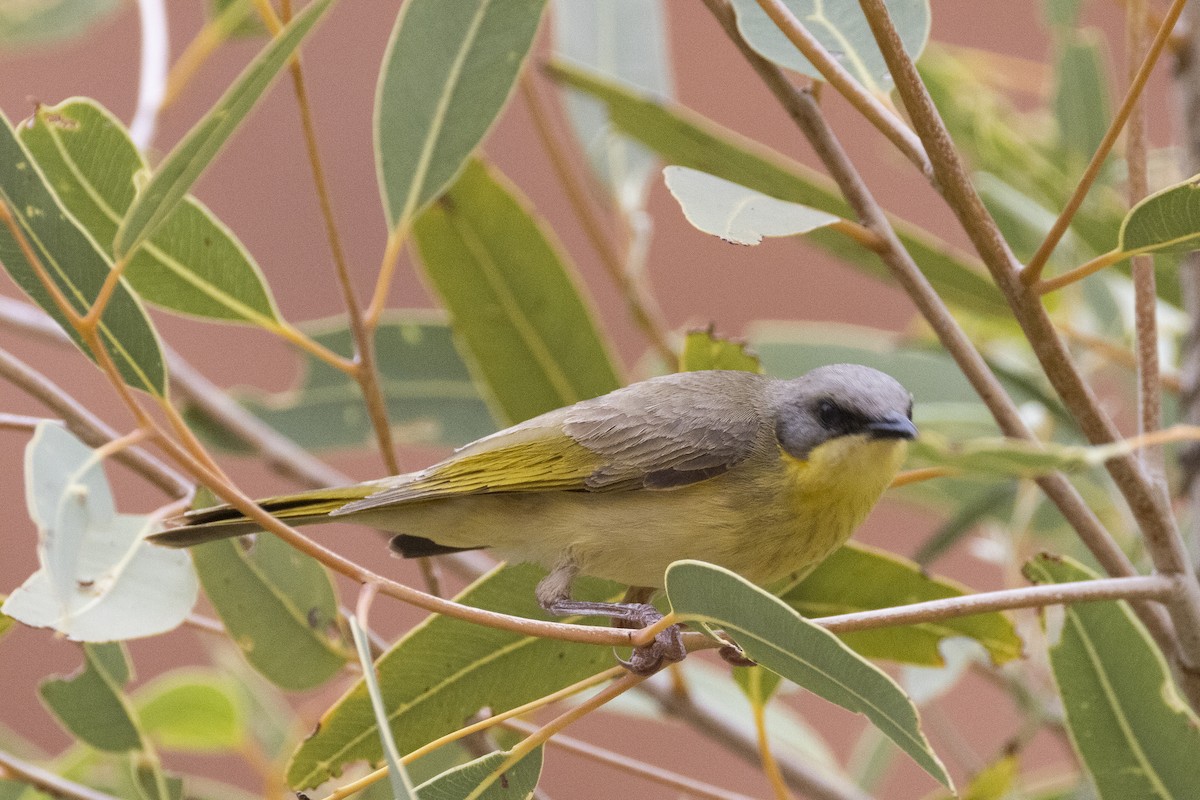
(658, 434)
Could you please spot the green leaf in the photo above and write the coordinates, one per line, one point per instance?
(1081, 100)
(1167, 221)
(193, 710)
(447, 73)
(444, 670)
(735, 213)
(278, 606)
(184, 165)
(757, 683)
(29, 24)
(705, 350)
(402, 788)
(1013, 457)
(191, 264)
(1132, 731)
(844, 32)
(513, 298)
(467, 780)
(91, 703)
(75, 263)
(430, 395)
(98, 581)
(859, 578)
(685, 138)
(236, 18)
(627, 42)
(812, 657)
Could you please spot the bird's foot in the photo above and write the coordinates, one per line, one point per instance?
(667, 646)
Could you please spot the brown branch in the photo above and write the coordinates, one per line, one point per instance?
(1151, 512)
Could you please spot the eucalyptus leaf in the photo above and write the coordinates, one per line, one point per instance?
(447, 73)
(843, 30)
(193, 710)
(279, 607)
(735, 213)
(860, 578)
(402, 788)
(75, 264)
(91, 703)
(626, 41)
(191, 264)
(1167, 221)
(1132, 731)
(685, 138)
(236, 18)
(1014, 457)
(98, 581)
(444, 670)
(481, 779)
(776, 637)
(428, 389)
(1081, 99)
(170, 182)
(30, 24)
(514, 301)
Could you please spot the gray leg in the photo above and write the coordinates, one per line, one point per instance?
(554, 595)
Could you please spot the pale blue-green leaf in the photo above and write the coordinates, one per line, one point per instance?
(1013, 457)
(514, 301)
(481, 779)
(191, 264)
(99, 581)
(1025, 222)
(41, 22)
(75, 263)
(844, 32)
(194, 710)
(776, 637)
(91, 703)
(626, 41)
(1167, 221)
(402, 788)
(683, 137)
(187, 161)
(1081, 100)
(444, 670)
(735, 213)
(430, 394)
(1131, 729)
(278, 605)
(447, 73)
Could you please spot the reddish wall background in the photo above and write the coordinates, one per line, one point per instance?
(261, 187)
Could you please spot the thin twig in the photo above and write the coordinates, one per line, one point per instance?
(1142, 587)
(650, 772)
(90, 429)
(836, 75)
(638, 299)
(1145, 293)
(1145, 501)
(15, 769)
(1033, 270)
(1115, 353)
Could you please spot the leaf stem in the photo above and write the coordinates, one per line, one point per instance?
(836, 75)
(758, 707)
(1079, 273)
(639, 300)
(1032, 272)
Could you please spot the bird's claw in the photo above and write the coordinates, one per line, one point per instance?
(666, 648)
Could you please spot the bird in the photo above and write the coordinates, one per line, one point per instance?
(763, 476)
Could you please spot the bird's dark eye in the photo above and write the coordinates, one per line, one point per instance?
(831, 415)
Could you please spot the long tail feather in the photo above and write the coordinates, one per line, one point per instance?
(223, 522)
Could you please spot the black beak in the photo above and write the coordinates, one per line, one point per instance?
(892, 427)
